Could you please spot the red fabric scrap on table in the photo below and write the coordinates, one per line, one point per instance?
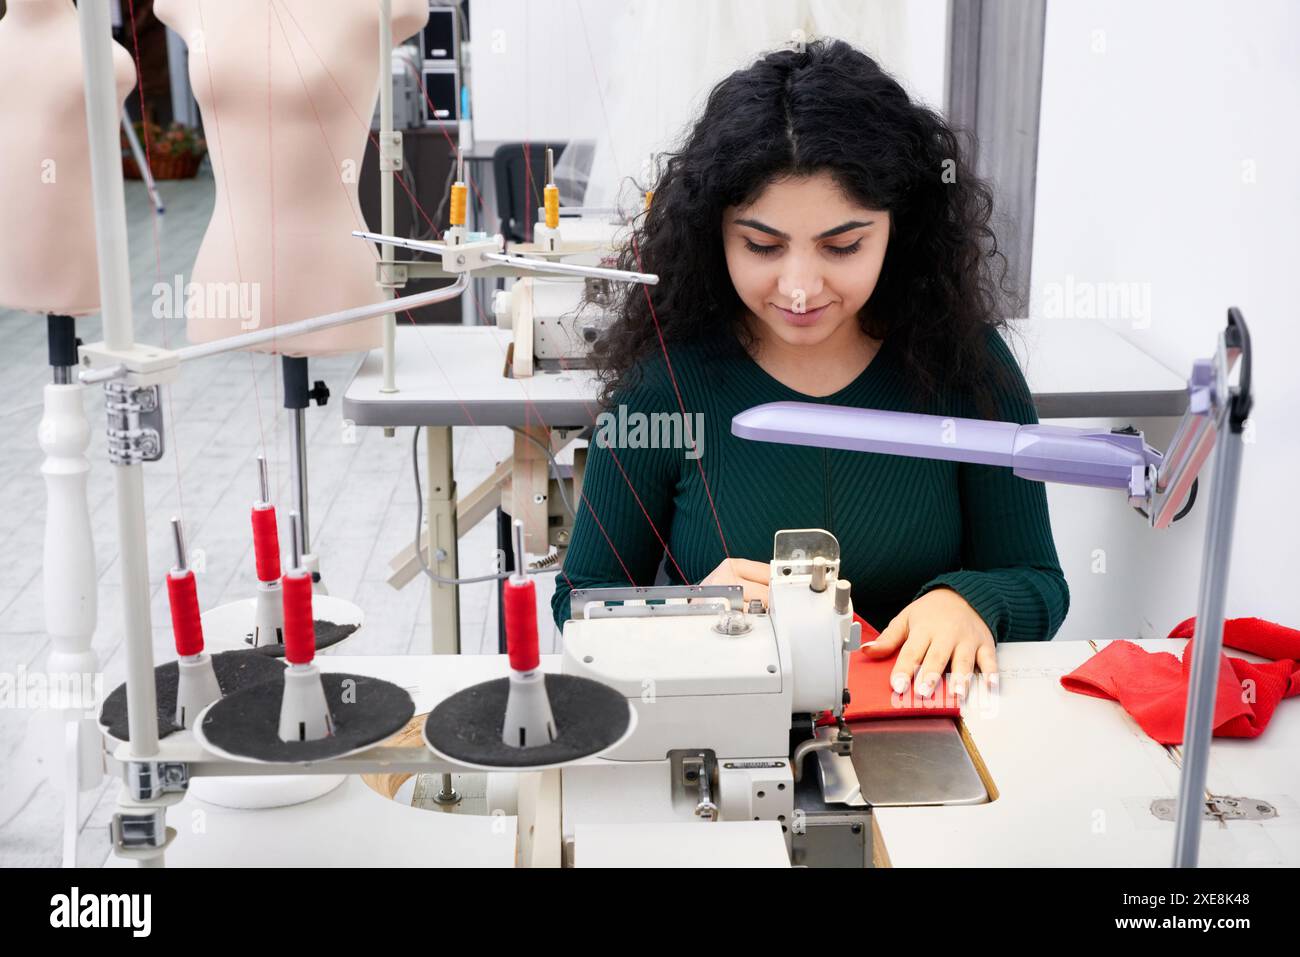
(1153, 687)
(871, 696)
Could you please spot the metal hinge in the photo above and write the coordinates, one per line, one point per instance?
(138, 829)
(390, 152)
(1220, 808)
(135, 423)
(391, 274)
(697, 771)
(149, 780)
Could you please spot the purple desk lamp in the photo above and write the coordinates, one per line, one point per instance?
(1156, 486)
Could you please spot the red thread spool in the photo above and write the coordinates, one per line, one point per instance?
(520, 602)
(299, 625)
(187, 627)
(266, 544)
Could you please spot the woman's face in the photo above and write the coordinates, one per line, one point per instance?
(804, 258)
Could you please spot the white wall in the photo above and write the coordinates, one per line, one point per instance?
(632, 74)
(529, 66)
(1167, 158)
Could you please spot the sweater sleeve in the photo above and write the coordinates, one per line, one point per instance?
(1010, 572)
(626, 508)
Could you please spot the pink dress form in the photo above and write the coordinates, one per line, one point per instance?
(48, 262)
(287, 91)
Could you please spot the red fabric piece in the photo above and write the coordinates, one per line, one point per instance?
(870, 694)
(1153, 687)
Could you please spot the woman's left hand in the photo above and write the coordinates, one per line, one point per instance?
(938, 628)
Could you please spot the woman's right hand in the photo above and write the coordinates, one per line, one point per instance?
(750, 575)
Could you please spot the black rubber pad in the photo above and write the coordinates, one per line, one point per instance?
(327, 633)
(365, 711)
(589, 717)
(235, 670)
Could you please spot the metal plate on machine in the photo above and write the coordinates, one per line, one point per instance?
(902, 762)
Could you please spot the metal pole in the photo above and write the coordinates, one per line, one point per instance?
(263, 484)
(386, 177)
(119, 334)
(296, 553)
(178, 540)
(1207, 643)
(142, 162)
(298, 474)
(313, 324)
(444, 559)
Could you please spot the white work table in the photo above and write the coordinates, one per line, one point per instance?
(1075, 778)
(455, 375)
(1081, 368)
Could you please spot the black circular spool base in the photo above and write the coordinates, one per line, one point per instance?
(364, 711)
(327, 633)
(235, 671)
(589, 717)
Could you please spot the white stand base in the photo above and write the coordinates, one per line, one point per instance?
(528, 720)
(251, 793)
(196, 687)
(70, 581)
(268, 615)
(304, 714)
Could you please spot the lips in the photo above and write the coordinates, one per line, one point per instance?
(802, 318)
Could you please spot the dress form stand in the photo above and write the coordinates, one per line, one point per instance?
(297, 396)
(48, 267)
(69, 567)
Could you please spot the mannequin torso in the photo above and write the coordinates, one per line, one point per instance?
(47, 250)
(287, 90)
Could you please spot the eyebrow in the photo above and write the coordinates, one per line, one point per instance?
(764, 228)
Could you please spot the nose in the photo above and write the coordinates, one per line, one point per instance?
(800, 276)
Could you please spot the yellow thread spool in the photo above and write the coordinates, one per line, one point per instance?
(458, 196)
(552, 201)
(649, 195)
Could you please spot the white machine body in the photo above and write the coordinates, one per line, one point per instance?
(549, 320)
(680, 674)
(715, 689)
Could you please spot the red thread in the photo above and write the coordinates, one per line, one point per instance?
(299, 625)
(183, 596)
(520, 603)
(266, 544)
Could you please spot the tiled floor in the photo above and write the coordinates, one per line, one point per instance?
(221, 414)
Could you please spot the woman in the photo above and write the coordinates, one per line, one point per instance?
(819, 237)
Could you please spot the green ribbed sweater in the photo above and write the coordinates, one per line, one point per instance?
(905, 526)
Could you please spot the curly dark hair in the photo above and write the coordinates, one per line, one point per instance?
(825, 107)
